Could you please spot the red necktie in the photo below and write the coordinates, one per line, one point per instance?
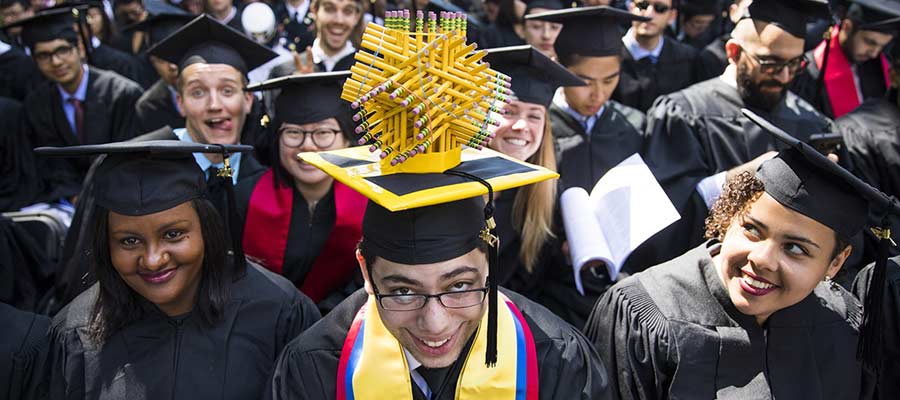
(79, 119)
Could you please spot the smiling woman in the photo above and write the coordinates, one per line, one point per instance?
(753, 311)
(171, 306)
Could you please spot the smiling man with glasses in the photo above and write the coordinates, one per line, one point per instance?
(697, 137)
(652, 64)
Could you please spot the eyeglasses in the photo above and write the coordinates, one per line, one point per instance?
(658, 7)
(321, 138)
(61, 52)
(412, 302)
(772, 67)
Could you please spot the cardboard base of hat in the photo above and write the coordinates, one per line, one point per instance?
(363, 171)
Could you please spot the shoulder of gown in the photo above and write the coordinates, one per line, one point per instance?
(112, 84)
(298, 312)
(24, 348)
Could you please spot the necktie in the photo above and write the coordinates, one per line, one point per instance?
(79, 119)
(420, 382)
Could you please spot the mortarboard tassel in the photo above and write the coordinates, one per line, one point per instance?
(868, 350)
(231, 217)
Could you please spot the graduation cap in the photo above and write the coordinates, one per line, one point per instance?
(589, 31)
(700, 7)
(432, 113)
(790, 15)
(307, 98)
(545, 4)
(535, 77)
(875, 15)
(801, 178)
(50, 24)
(205, 40)
(160, 26)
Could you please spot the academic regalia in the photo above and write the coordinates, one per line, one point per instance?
(567, 365)
(23, 354)
(872, 135)
(25, 269)
(180, 357)
(19, 182)
(583, 159)
(712, 60)
(156, 108)
(289, 67)
(672, 331)
(890, 377)
(641, 82)
(18, 74)
(700, 131)
(111, 59)
(299, 31)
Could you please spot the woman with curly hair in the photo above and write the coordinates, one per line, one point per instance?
(174, 314)
(751, 313)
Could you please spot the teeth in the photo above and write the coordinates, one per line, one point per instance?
(755, 283)
(435, 344)
(216, 121)
(516, 142)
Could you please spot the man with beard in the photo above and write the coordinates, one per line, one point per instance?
(335, 21)
(856, 69)
(697, 137)
(652, 64)
(712, 60)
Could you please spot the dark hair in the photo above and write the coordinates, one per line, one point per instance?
(506, 16)
(573, 59)
(118, 305)
(118, 3)
(109, 29)
(26, 5)
(369, 254)
(739, 193)
(282, 177)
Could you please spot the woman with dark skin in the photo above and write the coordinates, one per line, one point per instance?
(173, 314)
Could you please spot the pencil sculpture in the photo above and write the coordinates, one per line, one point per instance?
(420, 95)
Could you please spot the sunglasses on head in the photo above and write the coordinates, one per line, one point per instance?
(659, 8)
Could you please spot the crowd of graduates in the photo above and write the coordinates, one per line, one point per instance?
(196, 256)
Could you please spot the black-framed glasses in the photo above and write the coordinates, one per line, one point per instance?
(412, 302)
(772, 67)
(658, 7)
(322, 138)
(61, 52)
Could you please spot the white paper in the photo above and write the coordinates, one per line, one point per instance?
(628, 208)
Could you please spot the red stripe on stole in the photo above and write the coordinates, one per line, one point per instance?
(532, 381)
(346, 352)
(839, 83)
(268, 222)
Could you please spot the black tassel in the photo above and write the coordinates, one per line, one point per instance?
(490, 353)
(868, 350)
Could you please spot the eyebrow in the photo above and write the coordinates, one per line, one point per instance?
(791, 237)
(445, 276)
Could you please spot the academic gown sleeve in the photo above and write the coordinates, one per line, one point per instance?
(888, 384)
(23, 348)
(631, 336)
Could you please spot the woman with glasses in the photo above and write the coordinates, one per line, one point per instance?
(298, 221)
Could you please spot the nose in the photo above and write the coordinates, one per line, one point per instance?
(307, 144)
(154, 258)
(763, 255)
(783, 76)
(433, 318)
(214, 103)
(343, 18)
(520, 125)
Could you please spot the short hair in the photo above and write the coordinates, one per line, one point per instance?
(26, 5)
(738, 195)
(359, 4)
(572, 59)
(118, 3)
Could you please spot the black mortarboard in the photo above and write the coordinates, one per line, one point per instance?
(140, 178)
(49, 25)
(307, 98)
(847, 212)
(205, 40)
(875, 15)
(160, 26)
(589, 31)
(700, 7)
(545, 4)
(535, 77)
(790, 15)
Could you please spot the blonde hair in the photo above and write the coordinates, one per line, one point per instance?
(532, 214)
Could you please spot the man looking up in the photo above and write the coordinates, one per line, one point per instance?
(857, 70)
(652, 64)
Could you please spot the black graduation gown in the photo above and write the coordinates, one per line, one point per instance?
(712, 60)
(26, 273)
(108, 117)
(700, 131)
(156, 109)
(19, 182)
(299, 32)
(641, 82)
(493, 36)
(306, 237)
(672, 332)
(111, 59)
(583, 159)
(159, 357)
(568, 367)
(871, 80)
(872, 135)
(888, 383)
(18, 74)
(23, 354)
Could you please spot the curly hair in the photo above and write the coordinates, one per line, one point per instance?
(738, 195)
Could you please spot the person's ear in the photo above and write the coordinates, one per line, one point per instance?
(365, 272)
(733, 51)
(838, 261)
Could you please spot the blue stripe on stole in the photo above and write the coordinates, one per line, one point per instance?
(354, 360)
(521, 359)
